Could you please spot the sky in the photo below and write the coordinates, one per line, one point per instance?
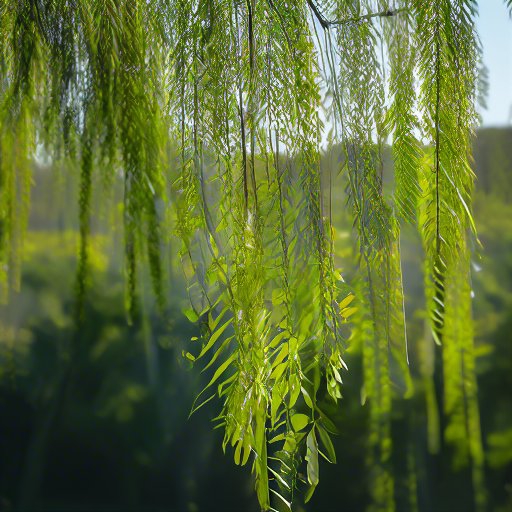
(495, 29)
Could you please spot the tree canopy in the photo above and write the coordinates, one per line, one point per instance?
(214, 115)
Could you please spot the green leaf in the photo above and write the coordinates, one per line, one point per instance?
(221, 369)
(299, 422)
(287, 504)
(283, 352)
(312, 464)
(218, 352)
(307, 398)
(327, 442)
(196, 408)
(212, 324)
(237, 453)
(346, 313)
(191, 315)
(277, 339)
(278, 371)
(188, 355)
(294, 390)
(214, 337)
(260, 461)
(346, 301)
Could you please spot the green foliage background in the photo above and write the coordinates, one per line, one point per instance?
(121, 438)
(191, 135)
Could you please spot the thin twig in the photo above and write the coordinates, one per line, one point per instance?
(325, 23)
(383, 14)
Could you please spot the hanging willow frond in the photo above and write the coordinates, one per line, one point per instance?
(401, 116)
(212, 115)
(448, 65)
(448, 52)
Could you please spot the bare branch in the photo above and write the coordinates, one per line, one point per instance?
(325, 23)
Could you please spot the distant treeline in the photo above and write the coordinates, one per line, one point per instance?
(493, 161)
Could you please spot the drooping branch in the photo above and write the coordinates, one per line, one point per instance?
(326, 23)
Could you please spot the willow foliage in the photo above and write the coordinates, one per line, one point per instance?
(214, 113)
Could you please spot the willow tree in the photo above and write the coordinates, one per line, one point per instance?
(214, 113)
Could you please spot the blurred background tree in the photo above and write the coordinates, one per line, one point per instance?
(121, 438)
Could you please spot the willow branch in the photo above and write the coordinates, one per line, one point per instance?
(281, 23)
(325, 23)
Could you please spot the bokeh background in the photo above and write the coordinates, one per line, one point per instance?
(98, 418)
